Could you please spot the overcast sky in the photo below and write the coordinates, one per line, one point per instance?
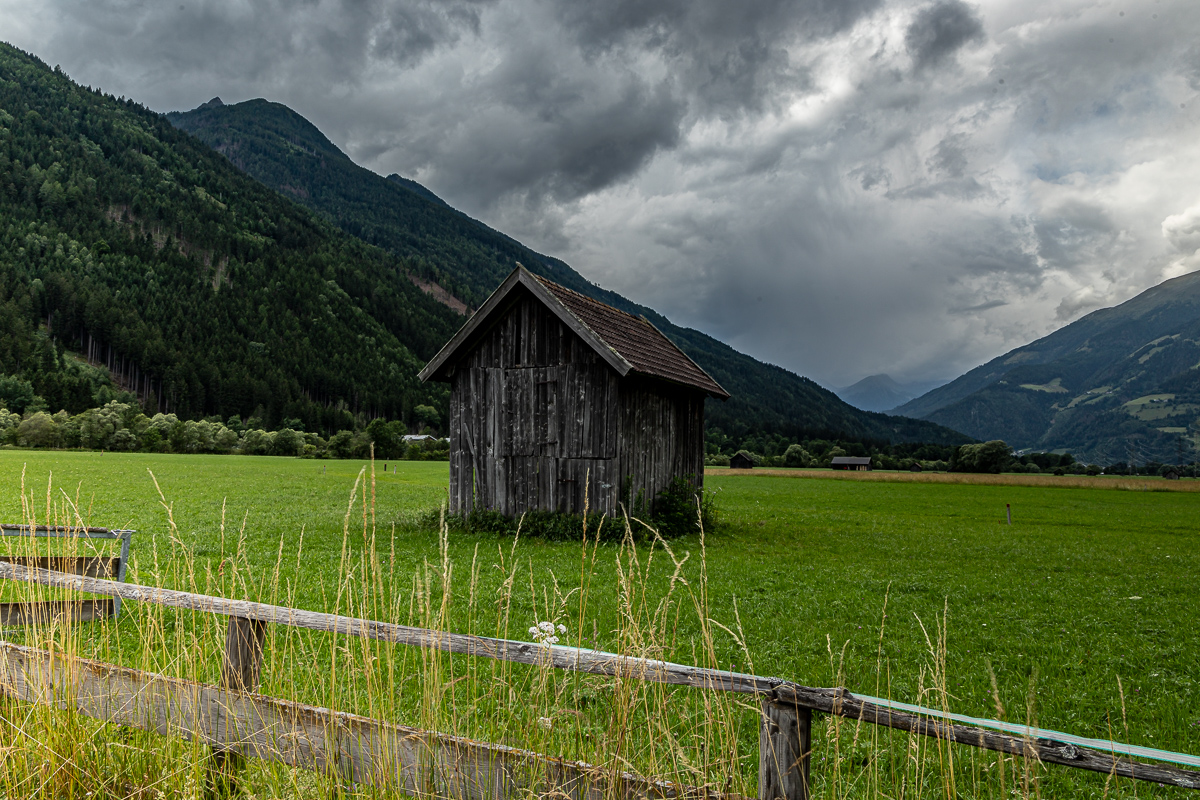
(842, 187)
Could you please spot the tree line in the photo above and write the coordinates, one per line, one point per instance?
(123, 427)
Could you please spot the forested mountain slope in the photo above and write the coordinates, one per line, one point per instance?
(286, 152)
(1121, 384)
(136, 246)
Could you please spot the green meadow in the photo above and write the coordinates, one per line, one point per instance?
(1080, 616)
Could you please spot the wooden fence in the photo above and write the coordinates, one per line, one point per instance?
(238, 723)
(12, 614)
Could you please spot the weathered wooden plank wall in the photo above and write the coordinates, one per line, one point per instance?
(539, 421)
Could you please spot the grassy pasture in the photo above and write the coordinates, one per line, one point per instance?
(802, 571)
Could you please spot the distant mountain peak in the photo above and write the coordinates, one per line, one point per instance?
(214, 103)
(875, 393)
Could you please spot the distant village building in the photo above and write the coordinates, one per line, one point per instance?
(1171, 474)
(915, 467)
(858, 463)
(741, 461)
(558, 401)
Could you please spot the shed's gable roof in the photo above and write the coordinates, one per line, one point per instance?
(627, 343)
(852, 461)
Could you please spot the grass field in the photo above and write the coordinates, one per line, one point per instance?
(1083, 609)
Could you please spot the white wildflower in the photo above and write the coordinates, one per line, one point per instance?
(544, 633)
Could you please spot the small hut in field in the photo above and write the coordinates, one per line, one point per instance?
(857, 463)
(558, 401)
(740, 460)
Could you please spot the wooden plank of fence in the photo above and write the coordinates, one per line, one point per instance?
(42, 612)
(16, 526)
(842, 703)
(568, 658)
(420, 763)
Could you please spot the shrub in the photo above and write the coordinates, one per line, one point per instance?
(796, 456)
(675, 514)
(991, 457)
(39, 430)
(287, 443)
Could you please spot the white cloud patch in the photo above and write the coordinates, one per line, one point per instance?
(843, 188)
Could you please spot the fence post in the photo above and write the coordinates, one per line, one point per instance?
(239, 673)
(784, 745)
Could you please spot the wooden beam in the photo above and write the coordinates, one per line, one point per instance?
(358, 749)
(568, 658)
(844, 704)
(784, 747)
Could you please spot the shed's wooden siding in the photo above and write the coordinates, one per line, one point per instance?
(537, 420)
(661, 436)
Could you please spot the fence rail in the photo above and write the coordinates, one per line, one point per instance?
(785, 733)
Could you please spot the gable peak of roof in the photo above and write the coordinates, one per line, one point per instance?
(628, 343)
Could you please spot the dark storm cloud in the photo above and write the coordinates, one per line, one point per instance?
(733, 57)
(326, 43)
(950, 157)
(940, 30)
(403, 33)
(984, 306)
(573, 139)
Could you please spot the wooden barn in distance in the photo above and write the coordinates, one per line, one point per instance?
(554, 395)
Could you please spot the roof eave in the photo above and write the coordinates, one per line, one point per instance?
(720, 394)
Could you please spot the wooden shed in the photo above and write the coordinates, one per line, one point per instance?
(858, 463)
(556, 397)
(740, 460)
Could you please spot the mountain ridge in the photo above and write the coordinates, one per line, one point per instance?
(468, 259)
(131, 249)
(1092, 386)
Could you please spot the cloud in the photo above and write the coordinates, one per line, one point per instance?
(940, 30)
(733, 57)
(1182, 230)
(955, 179)
(1077, 302)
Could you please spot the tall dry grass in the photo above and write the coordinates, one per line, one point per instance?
(682, 735)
